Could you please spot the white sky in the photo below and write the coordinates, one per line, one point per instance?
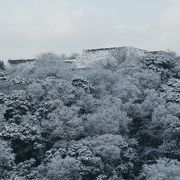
(29, 27)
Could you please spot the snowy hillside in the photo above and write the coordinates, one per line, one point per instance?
(110, 114)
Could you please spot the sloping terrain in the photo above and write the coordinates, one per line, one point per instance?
(112, 114)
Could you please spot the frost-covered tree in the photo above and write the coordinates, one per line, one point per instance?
(164, 169)
(18, 103)
(7, 158)
(58, 168)
(108, 120)
(115, 153)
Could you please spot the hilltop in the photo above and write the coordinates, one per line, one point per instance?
(89, 56)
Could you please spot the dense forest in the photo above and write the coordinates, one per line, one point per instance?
(117, 119)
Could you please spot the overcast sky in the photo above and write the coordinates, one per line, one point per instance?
(29, 27)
